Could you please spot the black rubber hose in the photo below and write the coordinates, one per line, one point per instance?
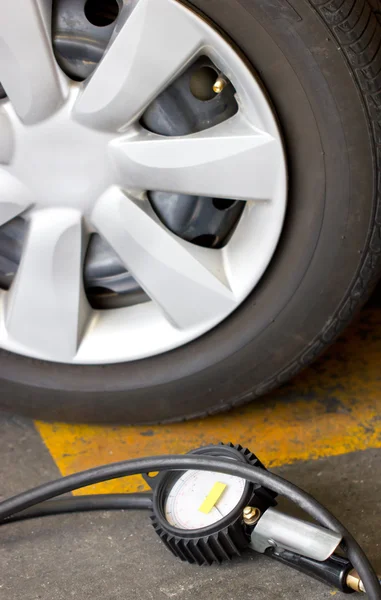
(142, 501)
(183, 463)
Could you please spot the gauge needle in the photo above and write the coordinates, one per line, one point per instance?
(212, 498)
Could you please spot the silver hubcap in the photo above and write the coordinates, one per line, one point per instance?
(75, 159)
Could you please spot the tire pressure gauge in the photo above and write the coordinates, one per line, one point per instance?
(203, 517)
(206, 516)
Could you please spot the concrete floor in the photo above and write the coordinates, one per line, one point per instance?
(112, 556)
(331, 413)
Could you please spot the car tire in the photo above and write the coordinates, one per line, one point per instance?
(320, 64)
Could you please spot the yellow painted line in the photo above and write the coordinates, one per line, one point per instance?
(334, 407)
(212, 498)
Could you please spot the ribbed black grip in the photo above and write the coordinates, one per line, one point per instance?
(214, 548)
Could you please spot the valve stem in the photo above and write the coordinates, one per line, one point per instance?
(219, 85)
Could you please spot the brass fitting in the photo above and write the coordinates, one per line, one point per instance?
(251, 514)
(354, 582)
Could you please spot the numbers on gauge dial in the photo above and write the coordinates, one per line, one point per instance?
(199, 499)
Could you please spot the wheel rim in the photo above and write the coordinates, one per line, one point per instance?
(75, 159)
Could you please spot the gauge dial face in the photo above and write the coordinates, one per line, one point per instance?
(199, 499)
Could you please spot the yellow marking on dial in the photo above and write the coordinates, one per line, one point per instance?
(212, 498)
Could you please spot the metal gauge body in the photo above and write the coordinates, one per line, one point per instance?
(199, 514)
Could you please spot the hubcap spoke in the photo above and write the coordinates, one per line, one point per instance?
(28, 70)
(231, 160)
(46, 308)
(15, 198)
(172, 272)
(156, 42)
(6, 139)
